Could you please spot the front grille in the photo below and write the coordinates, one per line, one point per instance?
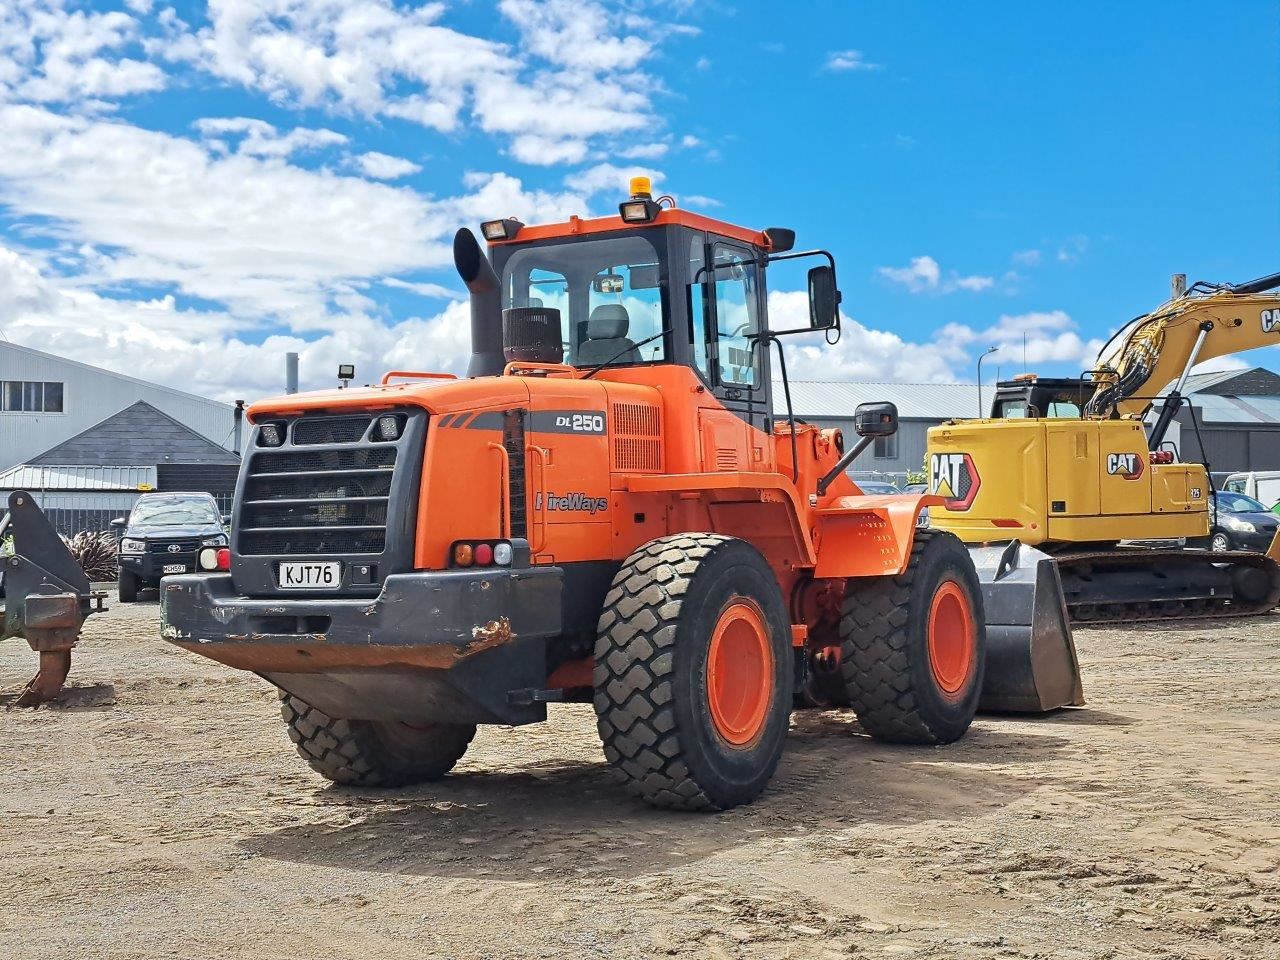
(185, 546)
(332, 499)
(330, 429)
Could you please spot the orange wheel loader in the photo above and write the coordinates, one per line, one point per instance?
(605, 509)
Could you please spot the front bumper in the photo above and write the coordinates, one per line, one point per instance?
(453, 646)
(150, 566)
(1259, 541)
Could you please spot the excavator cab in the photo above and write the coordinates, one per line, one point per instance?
(1033, 397)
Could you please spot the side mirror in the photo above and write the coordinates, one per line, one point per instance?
(119, 521)
(875, 419)
(824, 298)
(226, 519)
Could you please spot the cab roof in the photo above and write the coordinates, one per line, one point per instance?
(668, 216)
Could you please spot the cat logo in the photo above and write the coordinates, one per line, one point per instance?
(1270, 320)
(953, 475)
(1127, 465)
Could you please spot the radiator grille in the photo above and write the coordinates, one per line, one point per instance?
(637, 438)
(326, 501)
(330, 429)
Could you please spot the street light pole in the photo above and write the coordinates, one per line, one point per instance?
(989, 351)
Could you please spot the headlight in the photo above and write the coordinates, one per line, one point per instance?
(132, 546)
(218, 541)
(1235, 523)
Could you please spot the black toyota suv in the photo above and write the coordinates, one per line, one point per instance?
(164, 534)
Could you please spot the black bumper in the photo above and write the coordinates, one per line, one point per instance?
(454, 646)
(150, 566)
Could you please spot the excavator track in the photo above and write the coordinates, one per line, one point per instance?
(1134, 584)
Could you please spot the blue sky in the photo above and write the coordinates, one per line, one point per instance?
(188, 191)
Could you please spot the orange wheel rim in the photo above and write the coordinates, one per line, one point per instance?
(740, 672)
(952, 639)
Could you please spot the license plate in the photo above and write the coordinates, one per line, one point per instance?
(175, 568)
(310, 576)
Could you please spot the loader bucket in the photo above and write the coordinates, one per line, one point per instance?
(1031, 656)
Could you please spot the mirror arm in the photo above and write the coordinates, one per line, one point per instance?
(768, 337)
(842, 463)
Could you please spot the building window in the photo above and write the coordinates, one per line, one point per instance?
(31, 396)
(886, 448)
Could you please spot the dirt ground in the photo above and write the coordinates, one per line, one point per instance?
(163, 813)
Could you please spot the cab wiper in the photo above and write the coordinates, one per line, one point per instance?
(635, 346)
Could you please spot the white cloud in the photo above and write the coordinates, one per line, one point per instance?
(434, 291)
(841, 60)
(1027, 258)
(49, 54)
(698, 200)
(209, 352)
(924, 275)
(383, 166)
(378, 58)
(644, 151)
(260, 139)
(608, 178)
(257, 234)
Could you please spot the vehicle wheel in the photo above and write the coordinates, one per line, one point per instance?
(370, 753)
(913, 646)
(1220, 543)
(128, 586)
(694, 672)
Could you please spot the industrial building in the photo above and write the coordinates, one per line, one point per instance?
(86, 442)
(1232, 422)
(46, 399)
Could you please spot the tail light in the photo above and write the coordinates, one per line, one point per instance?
(481, 553)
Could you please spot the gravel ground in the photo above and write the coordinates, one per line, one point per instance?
(161, 812)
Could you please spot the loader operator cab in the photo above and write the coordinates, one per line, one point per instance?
(658, 285)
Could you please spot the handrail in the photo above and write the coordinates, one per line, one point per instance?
(504, 486)
(518, 365)
(416, 375)
(540, 515)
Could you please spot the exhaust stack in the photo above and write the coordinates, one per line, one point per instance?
(473, 266)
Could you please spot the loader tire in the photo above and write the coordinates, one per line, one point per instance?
(912, 647)
(693, 676)
(369, 753)
(127, 586)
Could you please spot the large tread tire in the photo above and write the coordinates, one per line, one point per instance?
(367, 753)
(884, 647)
(127, 586)
(651, 675)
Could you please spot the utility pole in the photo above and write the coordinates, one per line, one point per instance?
(989, 351)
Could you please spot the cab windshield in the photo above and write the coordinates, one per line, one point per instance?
(610, 291)
(173, 513)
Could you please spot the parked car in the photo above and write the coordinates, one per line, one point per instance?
(1262, 485)
(163, 535)
(876, 486)
(1238, 522)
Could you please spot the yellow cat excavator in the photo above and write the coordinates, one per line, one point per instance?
(1068, 466)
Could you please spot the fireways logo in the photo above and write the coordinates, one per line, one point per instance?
(1127, 465)
(570, 502)
(953, 475)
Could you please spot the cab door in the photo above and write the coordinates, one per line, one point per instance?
(726, 307)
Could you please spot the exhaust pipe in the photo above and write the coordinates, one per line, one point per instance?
(487, 359)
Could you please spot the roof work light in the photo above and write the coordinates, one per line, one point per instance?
(505, 229)
(641, 208)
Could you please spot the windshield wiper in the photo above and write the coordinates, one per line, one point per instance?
(635, 346)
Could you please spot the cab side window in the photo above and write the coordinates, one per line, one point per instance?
(737, 316)
(695, 295)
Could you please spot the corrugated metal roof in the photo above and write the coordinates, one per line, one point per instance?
(915, 401)
(1211, 408)
(53, 477)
